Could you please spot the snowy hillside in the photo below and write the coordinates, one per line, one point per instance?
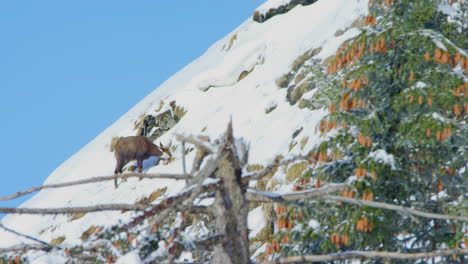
(236, 78)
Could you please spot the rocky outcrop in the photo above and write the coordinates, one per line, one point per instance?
(153, 126)
(261, 17)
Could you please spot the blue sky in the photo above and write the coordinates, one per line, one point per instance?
(69, 69)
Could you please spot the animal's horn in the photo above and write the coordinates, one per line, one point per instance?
(160, 144)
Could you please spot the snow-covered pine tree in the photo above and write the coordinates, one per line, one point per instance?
(397, 132)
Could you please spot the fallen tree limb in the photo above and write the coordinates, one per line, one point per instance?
(96, 179)
(368, 254)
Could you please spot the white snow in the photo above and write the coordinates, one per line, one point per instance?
(40, 257)
(271, 4)
(381, 156)
(267, 50)
(131, 257)
(314, 224)
(256, 221)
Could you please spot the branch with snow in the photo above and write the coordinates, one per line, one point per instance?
(261, 196)
(25, 247)
(97, 179)
(323, 194)
(72, 210)
(368, 254)
(402, 209)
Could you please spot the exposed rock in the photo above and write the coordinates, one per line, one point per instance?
(153, 126)
(262, 17)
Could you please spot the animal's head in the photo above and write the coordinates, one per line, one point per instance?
(166, 152)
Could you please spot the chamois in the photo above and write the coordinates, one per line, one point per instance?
(137, 148)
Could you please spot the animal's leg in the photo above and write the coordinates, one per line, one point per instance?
(118, 170)
(140, 166)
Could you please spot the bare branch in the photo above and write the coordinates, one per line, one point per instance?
(209, 242)
(96, 179)
(368, 254)
(198, 143)
(184, 169)
(322, 194)
(169, 203)
(259, 196)
(404, 210)
(71, 210)
(273, 165)
(25, 247)
(198, 186)
(23, 235)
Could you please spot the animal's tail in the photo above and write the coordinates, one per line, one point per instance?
(113, 142)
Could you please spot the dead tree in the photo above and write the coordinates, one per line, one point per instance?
(231, 206)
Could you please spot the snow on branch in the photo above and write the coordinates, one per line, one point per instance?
(96, 179)
(368, 254)
(261, 196)
(25, 248)
(323, 194)
(402, 209)
(72, 210)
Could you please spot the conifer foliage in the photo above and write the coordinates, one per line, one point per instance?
(397, 132)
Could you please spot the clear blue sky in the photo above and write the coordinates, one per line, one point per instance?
(69, 69)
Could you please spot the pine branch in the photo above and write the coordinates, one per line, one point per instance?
(96, 179)
(368, 254)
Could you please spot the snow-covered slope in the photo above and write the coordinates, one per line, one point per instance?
(212, 92)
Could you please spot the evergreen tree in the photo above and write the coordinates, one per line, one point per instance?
(397, 132)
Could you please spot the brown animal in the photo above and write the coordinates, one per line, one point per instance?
(137, 148)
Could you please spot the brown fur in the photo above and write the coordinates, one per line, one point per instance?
(136, 148)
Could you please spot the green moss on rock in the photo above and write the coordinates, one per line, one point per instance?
(57, 241)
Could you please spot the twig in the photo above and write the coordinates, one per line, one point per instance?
(367, 254)
(198, 143)
(184, 169)
(23, 235)
(95, 179)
